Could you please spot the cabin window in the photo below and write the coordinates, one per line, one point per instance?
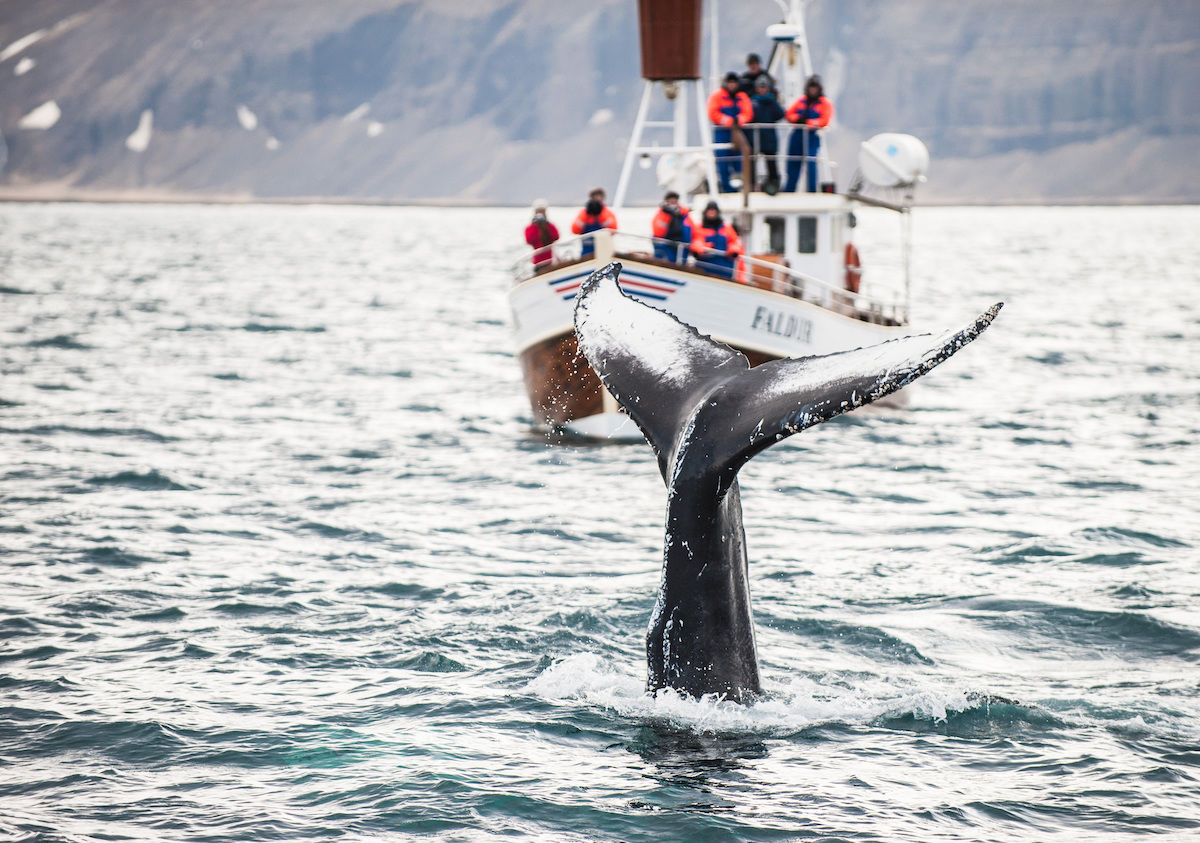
(776, 232)
(806, 235)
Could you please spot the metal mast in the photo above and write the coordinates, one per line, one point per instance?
(670, 32)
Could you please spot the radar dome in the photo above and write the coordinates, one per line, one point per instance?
(893, 160)
(786, 33)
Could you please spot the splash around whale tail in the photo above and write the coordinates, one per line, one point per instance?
(703, 409)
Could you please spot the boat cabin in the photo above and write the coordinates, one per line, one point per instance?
(811, 239)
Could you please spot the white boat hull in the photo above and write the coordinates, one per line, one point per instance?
(761, 323)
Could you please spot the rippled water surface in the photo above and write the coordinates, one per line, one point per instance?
(283, 560)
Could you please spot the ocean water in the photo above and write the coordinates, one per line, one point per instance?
(281, 558)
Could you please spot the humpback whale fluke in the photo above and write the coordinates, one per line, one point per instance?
(705, 413)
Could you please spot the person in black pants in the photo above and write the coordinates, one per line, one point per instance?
(763, 139)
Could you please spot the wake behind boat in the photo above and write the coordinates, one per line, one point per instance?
(798, 288)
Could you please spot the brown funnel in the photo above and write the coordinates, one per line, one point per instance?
(670, 36)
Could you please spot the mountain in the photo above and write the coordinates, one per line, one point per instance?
(485, 101)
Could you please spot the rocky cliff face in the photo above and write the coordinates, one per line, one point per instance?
(496, 102)
(1028, 100)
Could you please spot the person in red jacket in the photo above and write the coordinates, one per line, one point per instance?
(728, 106)
(716, 244)
(539, 234)
(671, 229)
(811, 112)
(593, 217)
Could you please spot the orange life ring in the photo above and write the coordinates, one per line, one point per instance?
(853, 268)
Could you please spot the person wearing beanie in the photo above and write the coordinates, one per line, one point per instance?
(672, 230)
(539, 234)
(728, 106)
(811, 112)
(755, 71)
(593, 217)
(763, 139)
(716, 244)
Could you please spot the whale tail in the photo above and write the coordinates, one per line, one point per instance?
(703, 409)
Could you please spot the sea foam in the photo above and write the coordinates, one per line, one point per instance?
(800, 703)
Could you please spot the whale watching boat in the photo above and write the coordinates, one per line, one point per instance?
(799, 289)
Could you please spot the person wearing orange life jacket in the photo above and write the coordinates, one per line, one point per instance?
(728, 106)
(812, 111)
(593, 217)
(716, 244)
(671, 229)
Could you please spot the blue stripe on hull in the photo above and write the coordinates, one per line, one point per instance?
(627, 273)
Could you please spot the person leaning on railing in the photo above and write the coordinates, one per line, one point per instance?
(763, 140)
(728, 106)
(715, 244)
(671, 229)
(539, 234)
(593, 217)
(812, 111)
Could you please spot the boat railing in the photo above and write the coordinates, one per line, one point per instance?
(762, 274)
(567, 250)
(827, 168)
(778, 278)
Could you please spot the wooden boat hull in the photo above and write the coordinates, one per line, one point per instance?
(560, 383)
